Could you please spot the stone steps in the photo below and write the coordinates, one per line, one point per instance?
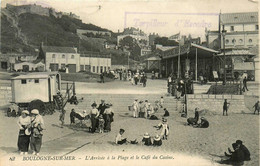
(123, 101)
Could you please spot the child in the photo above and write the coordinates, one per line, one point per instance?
(165, 128)
(166, 112)
(62, 116)
(161, 102)
(147, 139)
(225, 107)
(157, 141)
(101, 124)
(72, 117)
(119, 139)
(256, 106)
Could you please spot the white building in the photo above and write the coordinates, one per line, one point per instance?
(60, 57)
(95, 62)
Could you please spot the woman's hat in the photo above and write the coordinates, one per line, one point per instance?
(25, 112)
(84, 111)
(164, 120)
(122, 130)
(35, 111)
(157, 138)
(93, 105)
(146, 135)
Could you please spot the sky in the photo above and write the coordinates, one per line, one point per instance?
(163, 17)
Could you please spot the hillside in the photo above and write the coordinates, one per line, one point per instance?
(50, 30)
(25, 32)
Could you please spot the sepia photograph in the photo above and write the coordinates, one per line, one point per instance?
(129, 82)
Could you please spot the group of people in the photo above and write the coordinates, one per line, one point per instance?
(101, 117)
(31, 126)
(239, 155)
(139, 78)
(204, 123)
(147, 139)
(145, 109)
(179, 87)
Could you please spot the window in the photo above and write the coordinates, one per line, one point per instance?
(81, 67)
(72, 56)
(23, 81)
(36, 81)
(234, 41)
(250, 40)
(240, 41)
(105, 69)
(93, 69)
(53, 55)
(97, 69)
(231, 28)
(63, 66)
(256, 27)
(227, 41)
(63, 56)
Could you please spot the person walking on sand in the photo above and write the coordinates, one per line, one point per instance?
(135, 108)
(37, 128)
(23, 122)
(256, 106)
(62, 116)
(108, 117)
(245, 84)
(225, 107)
(165, 128)
(94, 117)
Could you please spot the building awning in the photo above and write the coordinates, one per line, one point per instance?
(236, 52)
(204, 48)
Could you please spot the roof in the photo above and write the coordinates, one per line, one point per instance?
(204, 48)
(35, 75)
(59, 49)
(236, 18)
(165, 48)
(236, 52)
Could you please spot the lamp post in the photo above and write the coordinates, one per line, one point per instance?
(225, 77)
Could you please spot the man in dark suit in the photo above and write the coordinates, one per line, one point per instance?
(101, 108)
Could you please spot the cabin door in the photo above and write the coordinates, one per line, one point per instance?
(49, 89)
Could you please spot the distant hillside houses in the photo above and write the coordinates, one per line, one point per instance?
(92, 33)
(136, 34)
(38, 9)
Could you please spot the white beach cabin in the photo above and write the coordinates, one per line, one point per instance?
(37, 85)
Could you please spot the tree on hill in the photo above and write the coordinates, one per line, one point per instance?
(165, 41)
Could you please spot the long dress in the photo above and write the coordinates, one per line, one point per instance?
(36, 136)
(94, 113)
(108, 117)
(23, 139)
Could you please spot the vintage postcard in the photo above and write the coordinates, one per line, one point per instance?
(133, 82)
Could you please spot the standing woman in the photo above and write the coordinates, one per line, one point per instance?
(108, 116)
(37, 127)
(94, 113)
(24, 122)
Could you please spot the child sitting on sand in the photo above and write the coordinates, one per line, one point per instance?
(157, 141)
(166, 112)
(119, 139)
(147, 139)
